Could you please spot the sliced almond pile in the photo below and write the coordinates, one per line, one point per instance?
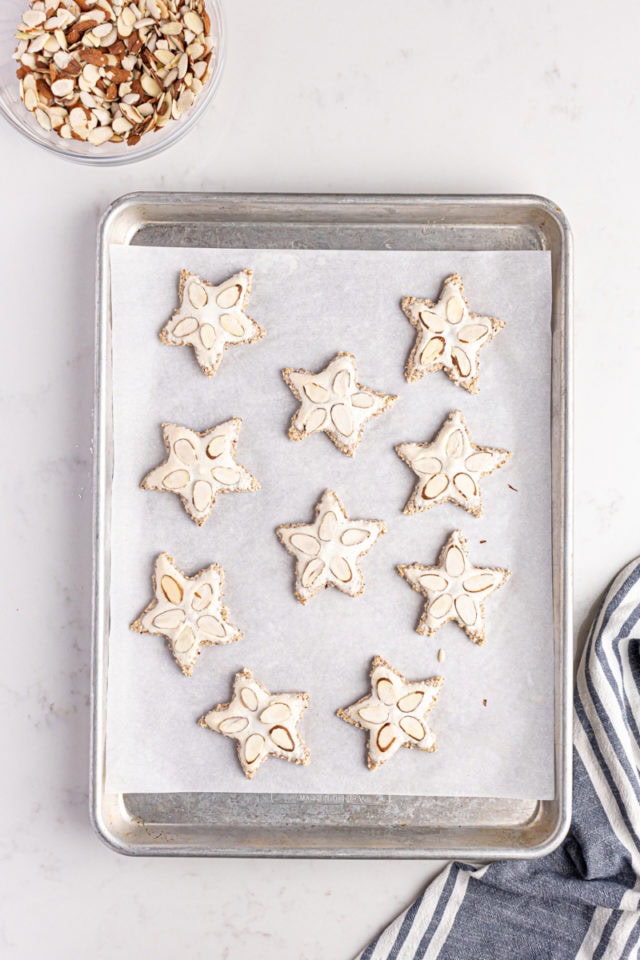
(112, 70)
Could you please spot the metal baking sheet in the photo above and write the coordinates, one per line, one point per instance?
(321, 825)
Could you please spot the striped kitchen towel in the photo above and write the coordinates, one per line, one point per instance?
(583, 900)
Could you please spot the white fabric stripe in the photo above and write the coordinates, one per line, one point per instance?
(604, 794)
(424, 915)
(420, 922)
(624, 682)
(593, 935)
(620, 936)
(631, 898)
(620, 778)
(451, 911)
(632, 692)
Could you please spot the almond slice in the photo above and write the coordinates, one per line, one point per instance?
(211, 626)
(185, 640)
(282, 738)
(342, 420)
(454, 561)
(363, 401)
(435, 486)
(460, 361)
(479, 462)
(227, 476)
(341, 383)
(316, 392)
(340, 569)
(328, 526)
(412, 727)
(62, 88)
(171, 589)
(253, 747)
(479, 583)
(312, 572)
(465, 485)
(233, 725)
(466, 609)
(386, 737)
(151, 86)
(275, 713)
(196, 293)
(184, 451)
(193, 22)
(472, 332)
(207, 336)
(176, 480)
(386, 691)
(229, 296)
(233, 325)
(202, 495)
(374, 714)
(185, 327)
(249, 699)
(441, 606)
(432, 321)
(426, 464)
(169, 620)
(433, 581)
(410, 702)
(352, 536)
(202, 597)
(455, 309)
(455, 444)
(315, 421)
(305, 543)
(431, 351)
(216, 447)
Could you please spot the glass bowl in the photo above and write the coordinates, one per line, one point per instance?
(109, 153)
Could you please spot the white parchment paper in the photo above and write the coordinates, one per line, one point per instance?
(494, 720)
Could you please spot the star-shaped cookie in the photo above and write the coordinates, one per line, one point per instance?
(333, 402)
(454, 589)
(211, 318)
(327, 551)
(200, 466)
(188, 611)
(263, 724)
(450, 467)
(449, 336)
(394, 713)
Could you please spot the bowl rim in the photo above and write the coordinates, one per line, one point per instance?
(52, 143)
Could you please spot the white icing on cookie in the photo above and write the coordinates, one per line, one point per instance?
(454, 589)
(450, 467)
(333, 402)
(210, 318)
(328, 550)
(188, 611)
(394, 713)
(449, 335)
(199, 466)
(263, 724)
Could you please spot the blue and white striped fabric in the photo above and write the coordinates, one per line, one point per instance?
(581, 902)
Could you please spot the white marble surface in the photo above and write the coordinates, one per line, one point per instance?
(446, 96)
